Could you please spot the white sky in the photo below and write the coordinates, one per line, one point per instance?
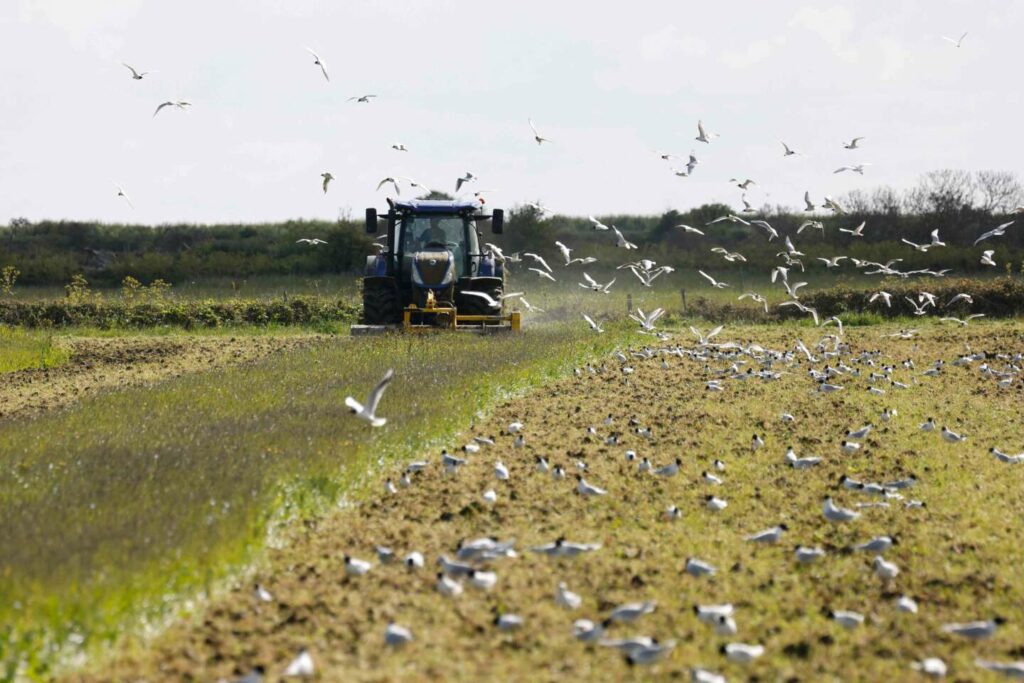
(457, 81)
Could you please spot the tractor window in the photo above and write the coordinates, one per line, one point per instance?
(441, 232)
(421, 231)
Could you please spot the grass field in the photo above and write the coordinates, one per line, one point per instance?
(114, 508)
(957, 556)
(25, 350)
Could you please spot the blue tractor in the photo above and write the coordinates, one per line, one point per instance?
(433, 271)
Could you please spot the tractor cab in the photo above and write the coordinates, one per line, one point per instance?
(432, 271)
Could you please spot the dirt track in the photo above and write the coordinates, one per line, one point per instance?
(100, 364)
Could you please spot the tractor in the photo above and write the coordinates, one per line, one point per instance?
(432, 272)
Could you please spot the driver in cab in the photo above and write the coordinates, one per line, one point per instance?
(434, 234)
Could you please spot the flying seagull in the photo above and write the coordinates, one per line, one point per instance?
(312, 242)
(998, 231)
(464, 179)
(180, 104)
(391, 180)
(326, 175)
(537, 136)
(788, 151)
(858, 168)
(852, 144)
(136, 75)
(319, 62)
(703, 135)
(369, 411)
(958, 42)
(365, 99)
(121, 193)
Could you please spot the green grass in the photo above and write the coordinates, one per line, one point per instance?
(959, 556)
(28, 350)
(114, 508)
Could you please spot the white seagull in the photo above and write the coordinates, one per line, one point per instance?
(369, 411)
(319, 62)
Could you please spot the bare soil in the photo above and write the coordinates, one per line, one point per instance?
(102, 364)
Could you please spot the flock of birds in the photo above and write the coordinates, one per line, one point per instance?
(831, 365)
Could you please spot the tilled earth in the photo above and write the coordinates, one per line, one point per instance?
(959, 555)
(102, 364)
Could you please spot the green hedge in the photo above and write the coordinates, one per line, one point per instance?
(297, 310)
(996, 298)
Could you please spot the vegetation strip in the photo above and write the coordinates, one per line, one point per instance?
(105, 518)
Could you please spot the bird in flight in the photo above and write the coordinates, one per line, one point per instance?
(594, 326)
(368, 412)
(398, 146)
(997, 231)
(958, 42)
(365, 99)
(537, 136)
(180, 104)
(714, 283)
(703, 135)
(312, 242)
(789, 152)
(391, 180)
(136, 75)
(858, 168)
(464, 179)
(852, 144)
(328, 177)
(319, 62)
(121, 193)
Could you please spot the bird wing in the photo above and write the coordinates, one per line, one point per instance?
(714, 332)
(590, 280)
(378, 391)
(134, 72)
(483, 295)
(353, 404)
(708, 277)
(700, 129)
(162, 105)
(592, 324)
(533, 128)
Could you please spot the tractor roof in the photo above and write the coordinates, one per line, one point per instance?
(448, 206)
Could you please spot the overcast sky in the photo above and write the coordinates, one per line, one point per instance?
(457, 81)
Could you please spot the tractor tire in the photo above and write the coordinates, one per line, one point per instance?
(381, 305)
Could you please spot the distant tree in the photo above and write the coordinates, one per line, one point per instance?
(437, 194)
(857, 202)
(946, 191)
(1000, 191)
(886, 200)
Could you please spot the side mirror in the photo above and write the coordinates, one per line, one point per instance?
(371, 221)
(498, 221)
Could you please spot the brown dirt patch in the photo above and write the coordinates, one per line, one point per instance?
(103, 364)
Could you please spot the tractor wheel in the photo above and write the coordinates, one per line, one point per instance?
(380, 304)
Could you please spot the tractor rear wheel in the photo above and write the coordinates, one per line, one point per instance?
(381, 305)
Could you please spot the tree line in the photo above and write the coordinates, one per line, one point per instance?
(960, 205)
